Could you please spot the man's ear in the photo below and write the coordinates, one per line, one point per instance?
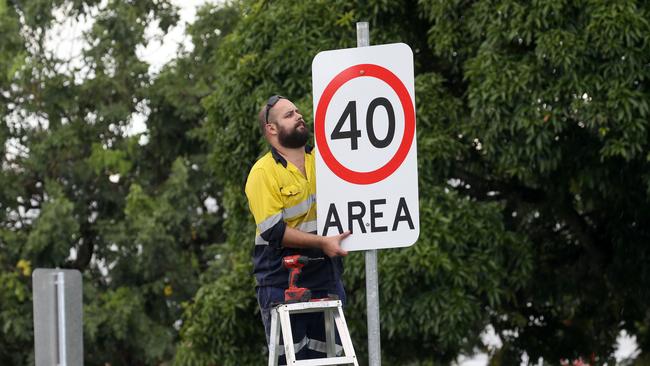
(271, 128)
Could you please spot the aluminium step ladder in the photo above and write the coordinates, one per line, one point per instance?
(333, 314)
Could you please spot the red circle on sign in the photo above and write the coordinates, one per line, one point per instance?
(368, 70)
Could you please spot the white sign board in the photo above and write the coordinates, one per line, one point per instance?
(366, 150)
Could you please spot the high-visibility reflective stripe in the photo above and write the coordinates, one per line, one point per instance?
(320, 346)
(288, 213)
(308, 227)
(260, 241)
(269, 222)
(296, 346)
(300, 208)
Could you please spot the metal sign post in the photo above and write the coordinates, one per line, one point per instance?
(366, 154)
(372, 273)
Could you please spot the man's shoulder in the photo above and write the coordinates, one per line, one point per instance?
(263, 167)
(265, 161)
(262, 173)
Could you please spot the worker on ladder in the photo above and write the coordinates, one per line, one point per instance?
(281, 192)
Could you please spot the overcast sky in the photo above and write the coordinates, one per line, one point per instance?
(65, 41)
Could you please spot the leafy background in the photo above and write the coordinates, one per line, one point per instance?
(533, 167)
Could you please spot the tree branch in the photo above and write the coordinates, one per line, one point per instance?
(86, 249)
(490, 190)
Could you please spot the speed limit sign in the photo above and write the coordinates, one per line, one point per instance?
(366, 150)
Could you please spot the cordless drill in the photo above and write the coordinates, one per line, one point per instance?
(294, 264)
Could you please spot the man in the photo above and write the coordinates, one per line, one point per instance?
(281, 191)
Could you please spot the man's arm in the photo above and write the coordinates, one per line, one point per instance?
(330, 245)
(265, 204)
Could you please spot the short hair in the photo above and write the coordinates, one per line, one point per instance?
(261, 117)
(264, 112)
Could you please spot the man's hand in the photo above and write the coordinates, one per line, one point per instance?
(331, 245)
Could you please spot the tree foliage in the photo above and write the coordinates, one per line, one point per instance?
(454, 282)
(533, 174)
(137, 214)
(533, 113)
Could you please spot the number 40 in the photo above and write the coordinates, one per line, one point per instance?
(354, 133)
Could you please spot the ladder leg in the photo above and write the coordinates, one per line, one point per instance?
(339, 318)
(330, 330)
(274, 343)
(287, 336)
(332, 317)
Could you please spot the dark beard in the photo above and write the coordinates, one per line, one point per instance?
(294, 139)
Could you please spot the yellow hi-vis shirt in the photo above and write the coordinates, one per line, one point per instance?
(279, 195)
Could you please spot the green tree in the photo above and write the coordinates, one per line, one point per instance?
(532, 130)
(452, 281)
(559, 105)
(533, 165)
(138, 215)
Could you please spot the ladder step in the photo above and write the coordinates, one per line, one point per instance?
(310, 307)
(325, 361)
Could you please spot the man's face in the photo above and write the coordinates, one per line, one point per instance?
(292, 130)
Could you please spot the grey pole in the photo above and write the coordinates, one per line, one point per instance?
(59, 283)
(58, 317)
(372, 274)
